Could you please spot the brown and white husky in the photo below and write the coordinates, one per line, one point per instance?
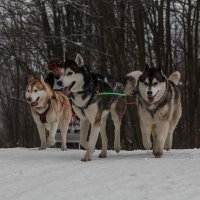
(50, 110)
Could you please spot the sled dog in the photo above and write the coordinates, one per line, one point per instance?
(159, 107)
(92, 108)
(50, 110)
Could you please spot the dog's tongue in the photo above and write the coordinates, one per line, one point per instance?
(66, 91)
(35, 103)
(150, 99)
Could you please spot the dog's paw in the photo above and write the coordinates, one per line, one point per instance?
(50, 143)
(103, 154)
(147, 146)
(168, 145)
(167, 148)
(117, 149)
(42, 148)
(86, 158)
(158, 154)
(63, 148)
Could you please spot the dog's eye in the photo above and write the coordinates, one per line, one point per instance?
(69, 73)
(145, 83)
(155, 83)
(35, 90)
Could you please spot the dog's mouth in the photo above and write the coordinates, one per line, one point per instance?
(67, 90)
(151, 98)
(35, 103)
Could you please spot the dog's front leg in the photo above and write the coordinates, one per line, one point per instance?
(95, 128)
(160, 136)
(117, 123)
(104, 139)
(42, 134)
(84, 126)
(146, 134)
(51, 139)
(63, 129)
(146, 128)
(172, 126)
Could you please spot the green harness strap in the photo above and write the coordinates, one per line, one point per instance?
(112, 93)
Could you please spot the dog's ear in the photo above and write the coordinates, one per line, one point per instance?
(42, 79)
(79, 60)
(47, 87)
(175, 77)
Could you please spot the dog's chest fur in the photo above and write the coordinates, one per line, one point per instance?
(79, 99)
(160, 114)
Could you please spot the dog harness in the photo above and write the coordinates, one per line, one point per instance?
(96, 85)
(154, 110)
(43, 115)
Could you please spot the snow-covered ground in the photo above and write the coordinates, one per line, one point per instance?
(30, 174)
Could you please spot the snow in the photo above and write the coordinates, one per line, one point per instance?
(130, 175)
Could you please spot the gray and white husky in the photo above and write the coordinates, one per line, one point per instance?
(159, 109)
(92, 108)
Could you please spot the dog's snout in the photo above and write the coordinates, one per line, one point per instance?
(29, 99)
(60, 83)
(149, 93)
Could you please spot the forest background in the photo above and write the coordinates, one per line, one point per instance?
(114, 37)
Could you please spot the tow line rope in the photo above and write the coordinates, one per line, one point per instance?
(118, 94)
(110, 93)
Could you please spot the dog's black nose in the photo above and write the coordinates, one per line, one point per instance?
(29, 99)
(149, 93)
(60, 83)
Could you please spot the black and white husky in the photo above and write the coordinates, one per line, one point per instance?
(159, 109)
(92, 108)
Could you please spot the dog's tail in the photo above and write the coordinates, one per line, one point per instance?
(132, 80)
(175, 77)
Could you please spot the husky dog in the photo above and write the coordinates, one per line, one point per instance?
(50, 110)
(159, 109)
(92, 108)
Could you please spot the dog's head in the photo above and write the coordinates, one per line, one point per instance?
(152, 84)
(37, 92)
(72, 73)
